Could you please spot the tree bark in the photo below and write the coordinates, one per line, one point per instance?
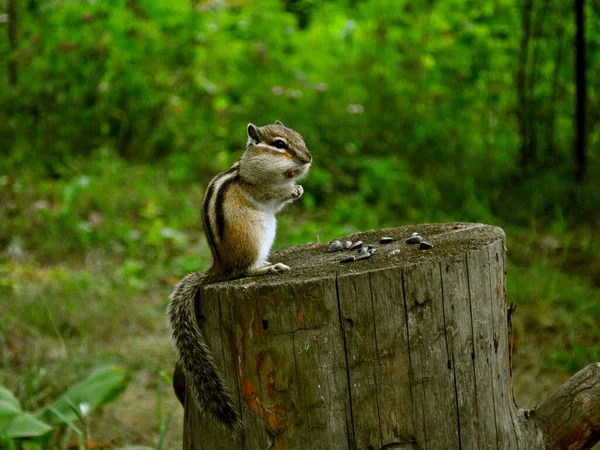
(406, 350)
(570, 417)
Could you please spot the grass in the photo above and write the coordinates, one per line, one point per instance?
(91, 258)
(554, 280)
(58, 324)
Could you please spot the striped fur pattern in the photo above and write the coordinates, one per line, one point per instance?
(238, 215)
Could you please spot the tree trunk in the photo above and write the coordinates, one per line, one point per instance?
(528, 150)
(404, 351)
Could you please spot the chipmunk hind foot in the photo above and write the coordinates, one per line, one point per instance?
(266, 269)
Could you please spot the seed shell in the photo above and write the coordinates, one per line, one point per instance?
(425, 245)
(414, 239)
(356, 245)
(335, 246)
(386, 240)
(363, 251)
(349, 259)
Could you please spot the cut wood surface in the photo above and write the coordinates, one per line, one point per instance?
(406, 350)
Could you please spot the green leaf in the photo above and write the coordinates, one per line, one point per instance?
(66, 420)
(9, 408)
(7, 411)
(97, 390)
(26, 425)
(7, 396)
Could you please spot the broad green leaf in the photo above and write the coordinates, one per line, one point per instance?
(7, 396)
(7, 411)
(26, 425)
(97, 390)
(65, 420)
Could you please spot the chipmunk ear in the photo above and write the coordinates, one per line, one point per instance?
(253, 133)
(277, 122)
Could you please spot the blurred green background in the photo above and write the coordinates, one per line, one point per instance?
(114, 115)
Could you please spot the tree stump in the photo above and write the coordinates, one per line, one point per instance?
(406, 350)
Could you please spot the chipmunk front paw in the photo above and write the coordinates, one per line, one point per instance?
(298, 191)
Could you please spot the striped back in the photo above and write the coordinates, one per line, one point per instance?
(213, 217)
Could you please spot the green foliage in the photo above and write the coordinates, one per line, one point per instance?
(15, 423)
(549, 280)
(430, 91)
(100, 388)
(85, 209)
(75, 404)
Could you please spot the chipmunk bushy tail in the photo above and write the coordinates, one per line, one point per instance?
(206, 384)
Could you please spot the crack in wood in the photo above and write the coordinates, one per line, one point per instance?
(351, 437)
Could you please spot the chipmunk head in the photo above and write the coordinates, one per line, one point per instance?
(276, 153)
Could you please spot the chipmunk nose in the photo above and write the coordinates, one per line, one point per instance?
(303, 158)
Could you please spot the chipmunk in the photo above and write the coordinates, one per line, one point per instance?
(238, 215)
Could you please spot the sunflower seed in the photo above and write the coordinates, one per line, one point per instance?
(363, 251)
(349, 259)
(365, 256)
(356, 245)
(425, 245)
(335, 246)
(414, 239)
(386, 240)
(348, 244)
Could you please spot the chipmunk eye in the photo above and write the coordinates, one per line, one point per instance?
(279, 144)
